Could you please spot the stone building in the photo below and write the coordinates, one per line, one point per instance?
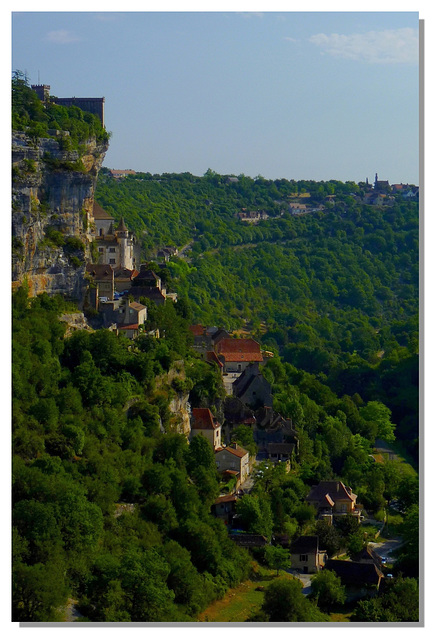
(116, 245)
(205, 424)
(91, 105)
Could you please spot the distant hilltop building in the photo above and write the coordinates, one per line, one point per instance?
(92, 105)
(381, 185)
(116, 245)
(121, 173)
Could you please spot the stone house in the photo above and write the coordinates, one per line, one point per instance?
(102, 279)
(115, 244)
(305, 555)
(252, 388)
(205, 338)
(368, 555)
(233, 460)
(238, 353)
(121, 173)
(166, 253)
(123, 278)
(122, 313)
(361, 579)
(281, 452)
(146, 284)
(203, 423)
(274, 435)
(130, 331)
(224, 508)
(333, 499)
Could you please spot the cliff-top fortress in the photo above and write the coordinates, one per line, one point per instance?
(92, 105)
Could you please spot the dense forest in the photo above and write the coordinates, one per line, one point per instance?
(111, 505)
(334, 292)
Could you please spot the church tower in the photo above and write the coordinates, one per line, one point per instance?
(125, 249)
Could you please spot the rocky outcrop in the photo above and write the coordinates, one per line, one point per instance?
(52, 203)
(181, 414)
(74, 322)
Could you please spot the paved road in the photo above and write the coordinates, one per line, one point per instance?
(385, 549)
(305, 579)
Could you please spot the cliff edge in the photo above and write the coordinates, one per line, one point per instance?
(52, 202)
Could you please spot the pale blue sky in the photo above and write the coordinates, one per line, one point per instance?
(285, 95)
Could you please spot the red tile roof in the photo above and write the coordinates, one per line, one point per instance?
(239, 350)
(127, 327)
(203, 419)
(197, 329)
(235, 450)
(211, 356)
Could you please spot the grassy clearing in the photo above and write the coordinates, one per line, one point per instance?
(343, 614)
(242, 602)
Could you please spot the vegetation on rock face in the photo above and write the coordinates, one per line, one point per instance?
(35, 118)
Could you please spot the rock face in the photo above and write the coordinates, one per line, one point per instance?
(181, 411)
(52, 203)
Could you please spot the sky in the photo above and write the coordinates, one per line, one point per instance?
(296, 95)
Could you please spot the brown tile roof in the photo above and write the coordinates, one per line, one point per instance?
(280, 447)
(355, 573)
(249, 540)
(122, 172)
(127, 274)
(99, 213)
(327, 500)
(334, 488)
(152, 293)
(121, 225)
(368, 555)
(203, 419)
(100, 271)
(305, 544)
(137, 306)
(239, 350)
(126, 327)
(227, 498)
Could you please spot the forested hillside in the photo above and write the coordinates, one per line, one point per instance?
(89, 416)
(334, 292)
(111, 506)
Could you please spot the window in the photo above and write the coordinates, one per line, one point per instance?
(100, 249)
(303, 558)
(111, 260)
(111, 249)
(100, 232)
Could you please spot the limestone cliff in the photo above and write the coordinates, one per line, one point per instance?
(52, 202)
